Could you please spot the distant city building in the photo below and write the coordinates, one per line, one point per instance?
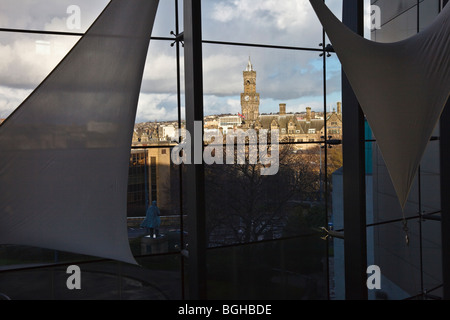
(250, 98)
(292, 127)
(167, 132)
(151, 177)
(154, 132)
(210, 133)
(211, 122)
(151, 171)
(229, 122)
(299, 128)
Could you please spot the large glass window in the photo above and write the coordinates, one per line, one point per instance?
(406, 245)
(271, 81)
(267, 67)
(35, 36)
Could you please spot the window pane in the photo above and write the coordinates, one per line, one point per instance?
(26, 60)
(158, 100)
(63, 16)
(158, 278)
(397, 24)
(398, 261)
(245, 206)
(289, 77)
(407, 270)
(293, 269)
(153, 177)
(289, 23)
(432, 257)
(71, 15)
(428, 10)
(392, 9)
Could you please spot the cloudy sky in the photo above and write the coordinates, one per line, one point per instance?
(293, 77)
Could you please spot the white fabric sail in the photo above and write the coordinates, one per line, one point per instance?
(64, 152)
(402, 88)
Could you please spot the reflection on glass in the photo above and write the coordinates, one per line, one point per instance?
(398, 21)
(157, 278)
(278, 91)
(428, 10)
(276, 218)
(153, 179)
(62, 16)
(245, 206)
(432, 257)
(399, 262)
(26, 60)
(293, 269)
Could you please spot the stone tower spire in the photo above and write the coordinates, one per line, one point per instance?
(250, 97)
(249, 65)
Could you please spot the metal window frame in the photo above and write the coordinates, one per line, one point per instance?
(195, 174)
(445, 191)
(355, 242)
(445, 205)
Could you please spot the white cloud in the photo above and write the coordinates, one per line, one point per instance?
(58, 23)
(160, 74)
(159, 107)
(224, 12)
(291, 23)
(282, 75)
(24, 63)
(10, 99)
(44, 14)
(217, 105)
(223, 73)
(280, 14)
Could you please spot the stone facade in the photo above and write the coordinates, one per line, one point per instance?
(250, 98)
(293, 127)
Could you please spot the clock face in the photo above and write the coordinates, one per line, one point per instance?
(247, 98)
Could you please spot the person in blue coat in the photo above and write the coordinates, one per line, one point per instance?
(152, 220)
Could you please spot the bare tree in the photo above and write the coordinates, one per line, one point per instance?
(244, 206)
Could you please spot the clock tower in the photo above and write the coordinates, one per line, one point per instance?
(250, 98)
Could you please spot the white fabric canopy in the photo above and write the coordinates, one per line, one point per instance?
(64, 153)
(402, 88)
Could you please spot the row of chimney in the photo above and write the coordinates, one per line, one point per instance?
(309, 114)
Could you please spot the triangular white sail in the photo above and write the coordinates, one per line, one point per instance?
(64, 152)
(402, 88)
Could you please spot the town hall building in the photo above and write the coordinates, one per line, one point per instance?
(293, 127)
